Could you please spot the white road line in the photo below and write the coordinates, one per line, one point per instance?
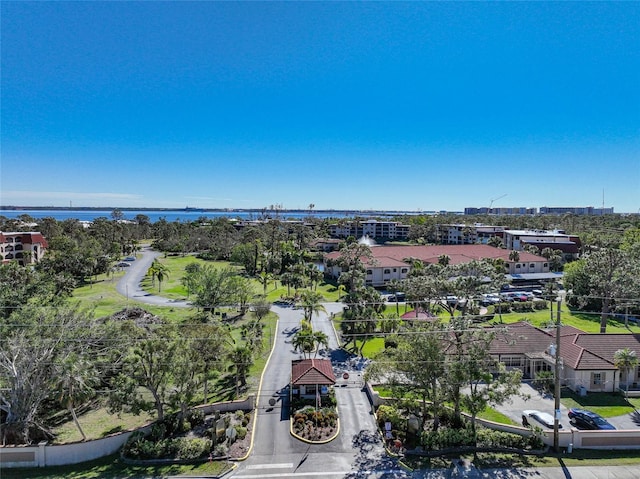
(271, 466)
(324, 474)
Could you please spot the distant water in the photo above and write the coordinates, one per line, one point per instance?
(175, 215)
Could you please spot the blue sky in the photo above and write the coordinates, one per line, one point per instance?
(358, 105)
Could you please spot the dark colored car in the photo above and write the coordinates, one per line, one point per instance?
(583, 419)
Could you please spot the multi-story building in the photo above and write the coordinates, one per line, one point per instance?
(467, 234)
(515, 210)
(378, 230)
(23, 247)
(556, 240)
(395, 262)
(575, 210)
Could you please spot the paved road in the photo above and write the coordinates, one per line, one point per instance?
(129, 284)
(356, 452)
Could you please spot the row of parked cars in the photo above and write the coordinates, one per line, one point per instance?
(125, 263)
(579, 418)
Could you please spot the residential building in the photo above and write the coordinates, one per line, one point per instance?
(575, 210)
(557, 240)
(395, 262)
(378, 230)
(467, 234)
(517, 210)
(587, 359)
(25, 247)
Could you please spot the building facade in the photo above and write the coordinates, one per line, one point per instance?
(378, 230)
(23, 247)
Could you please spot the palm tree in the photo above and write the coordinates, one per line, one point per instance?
(310, 302)
(264, 279)
(159, 271)
(626, 361)
(514, 256)
(241, 358)
(303, 341)
(444, 260)
(319, 339)
(75, 384)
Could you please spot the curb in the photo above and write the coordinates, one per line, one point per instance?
(308, 441)
(255, 407)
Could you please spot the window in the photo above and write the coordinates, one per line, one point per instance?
(395, 270)
(511, 361)
(369, 271)
(596, 378)
(532, 265)
(403, 270)
(545, 265)
(387, 271)
(517, 266)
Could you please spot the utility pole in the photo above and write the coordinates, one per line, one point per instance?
(556, 388)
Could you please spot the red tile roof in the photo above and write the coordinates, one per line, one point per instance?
(458, 254)
(312, 371)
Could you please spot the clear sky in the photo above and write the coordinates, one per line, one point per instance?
(358, 105)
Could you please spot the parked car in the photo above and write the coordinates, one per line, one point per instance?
(398, 297)
(583, 419)
(541, 418)
(130, 258)
(123, 264)
(489, 299)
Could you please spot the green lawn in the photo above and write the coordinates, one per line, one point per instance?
(605, 404)
(111, 467)
(98, 423)
(172, 287)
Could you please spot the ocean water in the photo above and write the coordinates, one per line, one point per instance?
(177, 215)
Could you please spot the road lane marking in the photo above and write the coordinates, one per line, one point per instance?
(271, 466)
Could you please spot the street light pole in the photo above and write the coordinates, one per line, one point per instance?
(556, 388)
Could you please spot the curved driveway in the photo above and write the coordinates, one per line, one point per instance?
(129, 284)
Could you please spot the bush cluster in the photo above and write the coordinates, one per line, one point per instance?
(309, 417)
(181, 448)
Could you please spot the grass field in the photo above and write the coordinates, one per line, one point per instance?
(111, 467)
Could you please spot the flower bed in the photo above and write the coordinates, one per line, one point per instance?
(315, 425)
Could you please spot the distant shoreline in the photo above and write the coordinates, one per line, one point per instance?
(216, 210)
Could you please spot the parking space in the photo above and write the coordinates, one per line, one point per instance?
(535, 400)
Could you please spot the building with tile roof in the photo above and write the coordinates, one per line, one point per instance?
(587, 360)
(25, 247)
(311, 376)
(395, 262)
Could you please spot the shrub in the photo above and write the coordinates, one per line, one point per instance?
(538, 305)
(241, 432)
(390, 414)
(221, 450)
(390, 342)
(189, 449)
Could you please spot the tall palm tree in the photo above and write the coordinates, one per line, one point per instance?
(264, 279)
(303, 341)
(310, 302)
(319, 339)
(159, 271)
(626, 361)
(514, 256)
(242, 360)
(76, 383)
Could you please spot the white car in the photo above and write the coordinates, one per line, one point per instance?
(541, 418)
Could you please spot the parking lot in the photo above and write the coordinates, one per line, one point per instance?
(545, 403)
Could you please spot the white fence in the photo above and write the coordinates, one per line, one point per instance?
(45, 454)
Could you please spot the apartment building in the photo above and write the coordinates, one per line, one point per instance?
(23, 247)
(378, 230)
